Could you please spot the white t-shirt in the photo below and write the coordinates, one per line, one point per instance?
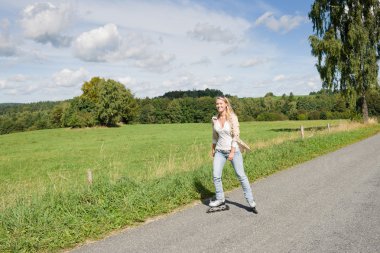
(224, 141)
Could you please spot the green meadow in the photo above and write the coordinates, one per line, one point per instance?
(139, 171)
(33, 161)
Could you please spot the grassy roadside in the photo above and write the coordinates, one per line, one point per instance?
(34, 162)
(61, 219)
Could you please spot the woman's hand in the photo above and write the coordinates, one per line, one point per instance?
(213, 152)
(231, 156)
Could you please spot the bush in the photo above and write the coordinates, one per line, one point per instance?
(79, 113)
(323, 115)
(329, 115)
(302, 116)
(82, 119)
(314, 115)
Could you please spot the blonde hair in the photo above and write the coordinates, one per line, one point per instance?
(229, 110)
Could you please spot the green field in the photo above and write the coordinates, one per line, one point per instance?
(139, 171)
(33, 161)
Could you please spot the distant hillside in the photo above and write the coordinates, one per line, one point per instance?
(192, 93)
(11, 108)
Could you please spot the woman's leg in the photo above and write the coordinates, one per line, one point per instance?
(219, 161)
(237, 163)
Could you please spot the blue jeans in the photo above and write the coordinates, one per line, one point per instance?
(220, 159)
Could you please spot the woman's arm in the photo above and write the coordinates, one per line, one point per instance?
(214, 138)
(213, 149)
(235, 132)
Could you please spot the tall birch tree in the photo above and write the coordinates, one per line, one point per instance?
(346, 41)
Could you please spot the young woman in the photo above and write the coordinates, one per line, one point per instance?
(225, 146)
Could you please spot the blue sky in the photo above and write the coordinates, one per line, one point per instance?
(244, 48)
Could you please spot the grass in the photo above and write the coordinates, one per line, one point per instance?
(139, 171)
(59, 158)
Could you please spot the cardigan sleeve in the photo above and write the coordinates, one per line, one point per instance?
(235, 130)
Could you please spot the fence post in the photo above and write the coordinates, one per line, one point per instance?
(328, 127)
(302, 132)
(89, 177)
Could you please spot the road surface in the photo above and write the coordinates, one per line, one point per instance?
(329, 204)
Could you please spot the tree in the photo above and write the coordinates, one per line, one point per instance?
(347, 45)
(291, 97)
(205, 108)
(174, 111)
(269, 94)
(91, 89)
(147, 114)
(114, 103)
(56, 114)
(374, 102)
(103, 102)
(79, 113)
(193, 93)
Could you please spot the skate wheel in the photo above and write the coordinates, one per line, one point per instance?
(218, 209)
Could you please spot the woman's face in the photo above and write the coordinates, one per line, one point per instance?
(220, 105)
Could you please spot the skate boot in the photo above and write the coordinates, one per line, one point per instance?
(218, 205)
(252, 205)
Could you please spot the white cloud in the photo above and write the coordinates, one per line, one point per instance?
(229, 50)
(29, 89)
(314, 82)
(45, 22)
(209, 32)
(299, 84)
(18, 85)
(279, 78)
(202, 61)
(4, 24)
(98, 44)
(12, 92)
(283, 24)
(106, 44)
(127, 81)
(3, 84)
(70, 78)
(130, 83)
(172, 33)
(252, 62)
(7, 45)
(13, 82)
(18, 78)
(218, 81)
(139, 88)
(155, 62)
(188, 81)
(196, 46)
(184, 16)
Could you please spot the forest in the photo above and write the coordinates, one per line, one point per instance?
(109, 103)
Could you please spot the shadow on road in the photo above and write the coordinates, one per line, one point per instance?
(248, 209)
(206, 194)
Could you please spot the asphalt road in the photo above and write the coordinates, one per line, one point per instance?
(329, 204)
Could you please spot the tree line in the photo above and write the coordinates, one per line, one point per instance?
(105, 102)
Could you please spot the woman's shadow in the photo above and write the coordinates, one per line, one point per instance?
(205, 196)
